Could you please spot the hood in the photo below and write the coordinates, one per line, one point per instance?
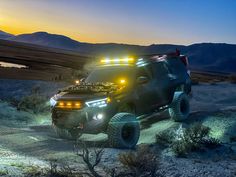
(91, 88)
(86, 91)
(75, 96)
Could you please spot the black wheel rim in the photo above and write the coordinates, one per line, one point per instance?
(128, 132)
(184, 106)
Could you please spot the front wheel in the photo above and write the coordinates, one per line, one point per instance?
(179, 109)
(123, 131)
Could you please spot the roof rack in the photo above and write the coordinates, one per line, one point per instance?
(170, 54)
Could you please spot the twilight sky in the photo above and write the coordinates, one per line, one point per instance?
(124, 21)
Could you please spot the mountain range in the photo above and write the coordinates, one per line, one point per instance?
(217, 57)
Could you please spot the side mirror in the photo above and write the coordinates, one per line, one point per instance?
(142, 80)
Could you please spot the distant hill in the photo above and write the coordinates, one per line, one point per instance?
(4, 35)
(46, 39)
(217, 57)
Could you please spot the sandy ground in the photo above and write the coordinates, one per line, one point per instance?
(213, 105)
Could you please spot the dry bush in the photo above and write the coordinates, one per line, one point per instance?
(142, 162)
(60, 171)
(33, 171)
(196, 134)
(3, 172)
(192, 139)
(54, 170)
(165, 138)
(183, 141)
(212, 143)
(91, 160)
(34, 103)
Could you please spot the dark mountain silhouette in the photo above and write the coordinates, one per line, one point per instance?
(219, 57)
(4, 35)
(46, 39)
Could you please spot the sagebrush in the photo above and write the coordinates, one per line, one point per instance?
(142, 162)
(34, 103)
(186, 140)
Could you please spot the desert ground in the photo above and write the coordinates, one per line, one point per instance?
(28, 142)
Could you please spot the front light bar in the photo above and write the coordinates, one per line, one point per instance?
(69, 104)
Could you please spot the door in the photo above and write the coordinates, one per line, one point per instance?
(144, 92)
(164, 82)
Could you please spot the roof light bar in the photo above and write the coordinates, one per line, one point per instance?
(126, 60)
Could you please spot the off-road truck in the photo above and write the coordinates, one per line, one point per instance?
(117, 92)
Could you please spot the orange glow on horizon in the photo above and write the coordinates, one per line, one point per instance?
(17, 24)
(29, 21)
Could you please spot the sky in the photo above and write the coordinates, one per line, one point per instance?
(141, 22)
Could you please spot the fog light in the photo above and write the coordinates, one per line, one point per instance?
(98, 116)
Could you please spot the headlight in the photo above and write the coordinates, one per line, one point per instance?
(98, 103)
(53, 102)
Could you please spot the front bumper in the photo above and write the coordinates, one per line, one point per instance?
(86, 119)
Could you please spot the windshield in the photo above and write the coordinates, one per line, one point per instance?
(111, 74)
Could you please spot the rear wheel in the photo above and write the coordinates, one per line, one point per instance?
(123, 131)
(179, 109)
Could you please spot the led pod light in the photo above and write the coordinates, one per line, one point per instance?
(53, 102)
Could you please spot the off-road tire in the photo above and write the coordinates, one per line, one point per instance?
(66, 134)
(123, 131)
(179, 109)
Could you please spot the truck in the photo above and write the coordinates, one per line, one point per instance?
(117, 92)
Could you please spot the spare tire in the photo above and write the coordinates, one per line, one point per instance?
(179, 109)
(123, 131)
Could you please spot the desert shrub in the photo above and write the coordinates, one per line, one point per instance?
(54, 170)
(141, 162)
(33, 103)
(10, 116)
(165, 138)
(195, 135)
(181, 148)
(91, 159)
(193, 138)
(3, 172)
(64, 170)
(183, 141)
(211, 143)
(32, 171)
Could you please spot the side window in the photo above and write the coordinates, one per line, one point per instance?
(144, 71)
(161, 70)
